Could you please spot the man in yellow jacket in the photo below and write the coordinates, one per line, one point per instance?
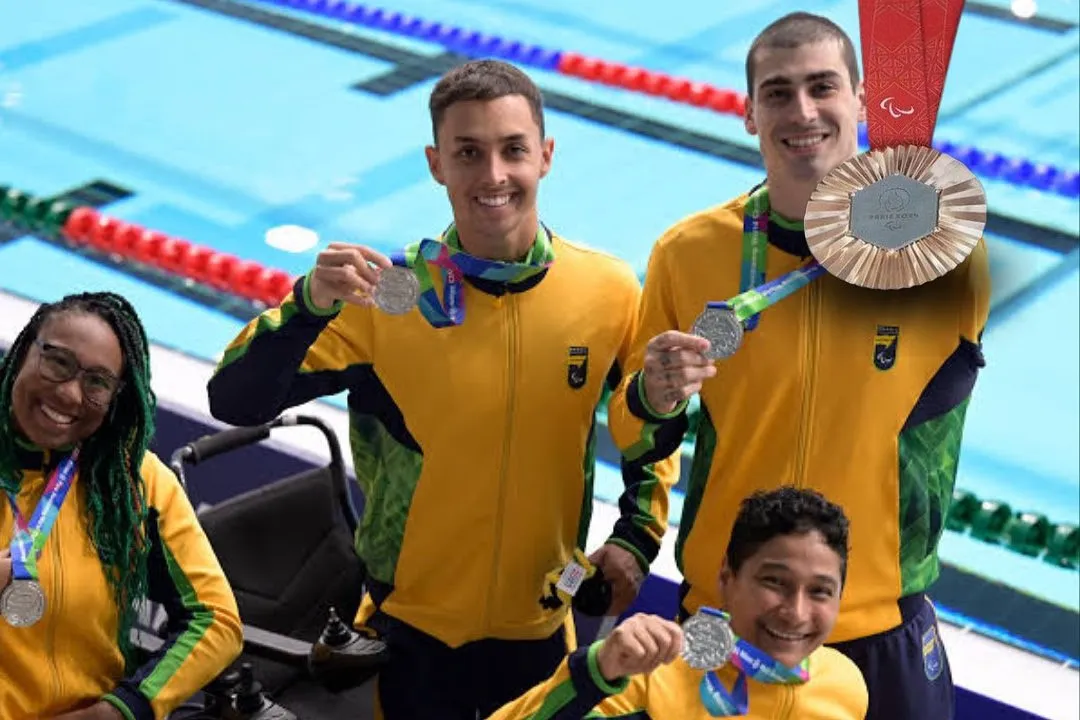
(860, 394)
(474, 365)
(782, 578)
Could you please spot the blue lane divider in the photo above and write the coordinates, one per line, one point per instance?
(470, 43)
(1016, 171)
(453, 38)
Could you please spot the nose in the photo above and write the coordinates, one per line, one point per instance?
(495, 170)
(796, 610)
(806, 107)
(71, 392)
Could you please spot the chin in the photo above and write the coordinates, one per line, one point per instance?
(791, 659)
(790, 654)
(51, 441)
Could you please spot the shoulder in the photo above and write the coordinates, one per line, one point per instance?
(161, 482)
(600, 265)
(835, 673)
(707, 230)
(833, 663)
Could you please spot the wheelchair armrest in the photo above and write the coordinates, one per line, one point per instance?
(262, 643)
(279, 648)
(346, 672)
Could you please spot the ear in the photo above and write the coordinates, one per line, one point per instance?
(547, 151)
(860, 92)
(748, 117)
(726, 576)
(434, 163)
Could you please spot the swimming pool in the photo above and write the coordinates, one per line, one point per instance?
(220, 129)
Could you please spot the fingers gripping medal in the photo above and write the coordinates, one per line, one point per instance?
(398, 290)
(708, 640)
(22, 603)
(722, 328)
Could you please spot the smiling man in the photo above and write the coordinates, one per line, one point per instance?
(860, 394)
(472, 416)
(782, 578)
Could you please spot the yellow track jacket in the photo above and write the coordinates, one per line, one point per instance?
(859, 394)
(577, 690)
(70, 658)
(473, 444)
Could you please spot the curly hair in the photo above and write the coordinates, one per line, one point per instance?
(111, 459)
(786, 511)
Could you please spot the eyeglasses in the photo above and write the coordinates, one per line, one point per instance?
(60, 365)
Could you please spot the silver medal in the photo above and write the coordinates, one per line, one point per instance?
(722, 329)
(707, 641)
(22, 603)
(397, 291)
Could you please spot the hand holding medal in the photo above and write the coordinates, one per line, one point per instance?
(902, 214)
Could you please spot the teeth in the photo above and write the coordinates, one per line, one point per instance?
(784, 636)
(805, 142)
(494, 200)
(56, 416)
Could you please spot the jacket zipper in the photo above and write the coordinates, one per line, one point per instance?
(786, 706)
(511, 384)
(810, 372)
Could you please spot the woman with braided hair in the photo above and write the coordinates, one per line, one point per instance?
(92, 523)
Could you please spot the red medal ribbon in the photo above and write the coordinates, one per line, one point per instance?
(906, 48)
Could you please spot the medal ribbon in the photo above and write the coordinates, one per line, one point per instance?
(906, 49)
(29, 538)
(755, 295)
(447, 256)
(751, 663)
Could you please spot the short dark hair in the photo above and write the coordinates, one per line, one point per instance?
(483, 80)
(786, 511)
(795, 30)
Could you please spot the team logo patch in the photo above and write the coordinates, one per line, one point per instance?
(885, 341)
(931, 654)
(577, 366)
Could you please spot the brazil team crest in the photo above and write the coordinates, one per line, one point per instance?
(885, 341)
(577, 366)
(931, 653)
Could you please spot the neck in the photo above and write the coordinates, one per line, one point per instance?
(512, 247)
(788, 197)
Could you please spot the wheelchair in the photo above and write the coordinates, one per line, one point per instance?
(287, 550)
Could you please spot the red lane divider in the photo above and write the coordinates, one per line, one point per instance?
(177, 256)
(641, 80)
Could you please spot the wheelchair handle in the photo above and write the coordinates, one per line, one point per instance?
(208, 446)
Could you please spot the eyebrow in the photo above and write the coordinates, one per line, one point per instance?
(812, 77)
(774, 566)
(69, 351)
(516, 137)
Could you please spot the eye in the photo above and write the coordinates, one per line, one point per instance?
(824, 89)
(467, 153)
(99, 381)
(59, 359)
